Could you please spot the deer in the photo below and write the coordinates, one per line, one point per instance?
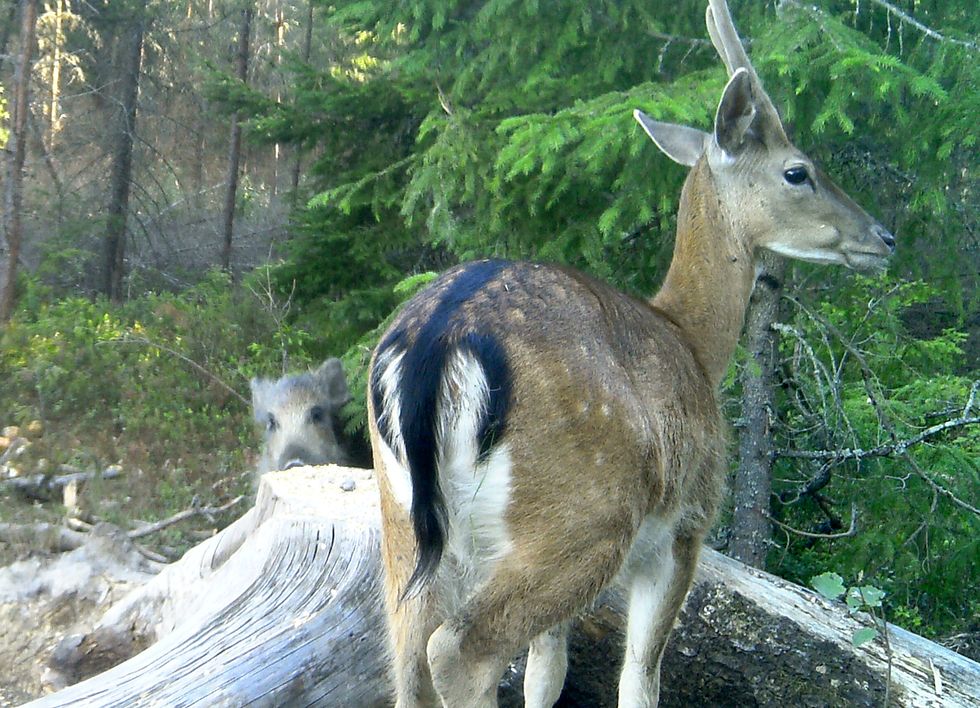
(538, 435)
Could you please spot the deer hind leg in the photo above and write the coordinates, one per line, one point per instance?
(410, 619)
(410, 625)
(519, 601)
(547, 664)
(657, 587)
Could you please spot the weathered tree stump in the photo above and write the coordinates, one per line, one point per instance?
(283, 608)
(280, 608)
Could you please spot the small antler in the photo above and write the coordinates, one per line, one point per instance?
(725, 37)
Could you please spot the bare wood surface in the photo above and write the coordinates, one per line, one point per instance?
(282, 608)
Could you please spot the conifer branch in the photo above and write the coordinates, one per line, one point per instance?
(927, 31)
(900, 14)
(886, 450)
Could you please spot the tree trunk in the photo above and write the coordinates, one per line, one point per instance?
(14, 193)
(122, 160)
(7, 26)
(235, 143)
(751, 530)
(307, 45)
(54, 112)
(283, 608)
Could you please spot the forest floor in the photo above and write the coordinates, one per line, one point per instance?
(77, 532)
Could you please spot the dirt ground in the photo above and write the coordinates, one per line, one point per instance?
(45, 598)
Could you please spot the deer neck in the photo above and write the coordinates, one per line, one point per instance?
(707, 288)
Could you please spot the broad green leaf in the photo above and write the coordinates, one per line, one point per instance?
(863, 636)
(871, 596)
(830, 585)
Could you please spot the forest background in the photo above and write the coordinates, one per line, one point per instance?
(213, 190)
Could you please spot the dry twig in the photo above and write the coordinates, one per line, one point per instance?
(207, 511)
(851, 530)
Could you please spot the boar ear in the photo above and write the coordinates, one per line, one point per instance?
(261, 390)
(332, 381)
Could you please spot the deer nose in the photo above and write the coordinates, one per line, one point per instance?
(885, 235)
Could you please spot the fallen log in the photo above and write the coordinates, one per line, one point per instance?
(45, 485)
(42, 536)
(283, 608)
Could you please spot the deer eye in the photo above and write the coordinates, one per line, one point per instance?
(317, 414)
(271, 423)
(796, 175)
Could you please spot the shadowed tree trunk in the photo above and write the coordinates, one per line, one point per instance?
(122, 159)
(751, 530)
(235, 143)
(13, 196)
(10, 10)
(307, 43)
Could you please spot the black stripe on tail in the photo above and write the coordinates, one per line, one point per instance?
(422, 369)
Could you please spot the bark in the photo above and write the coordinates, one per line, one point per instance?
(14, 192)
(235, 142)
(751, 530)
(54, 113)
(7, 26)
(122, 161)
(283, 608)
(307, 44)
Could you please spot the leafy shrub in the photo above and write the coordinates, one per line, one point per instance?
(855, 380)
(158, 384)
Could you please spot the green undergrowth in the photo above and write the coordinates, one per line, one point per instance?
(157, 386)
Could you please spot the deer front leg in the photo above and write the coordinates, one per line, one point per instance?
(657, 592)
(547, 664)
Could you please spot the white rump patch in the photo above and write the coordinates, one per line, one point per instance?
(476, 493)
(389, 418)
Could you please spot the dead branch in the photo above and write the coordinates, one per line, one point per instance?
(851, 530)
(207, 511)
(49, 537)
(130, 339)
(887, 450)
(927, 31)
(900, 14)
(13, 449)
(48, 483)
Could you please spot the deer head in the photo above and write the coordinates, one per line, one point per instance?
(771, 193)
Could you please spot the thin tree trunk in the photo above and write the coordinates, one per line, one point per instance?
(280, 43)
(751, 529)
(235, 144)
(56, 50)
(14, 193)
(307, 44)
(37, 130)
(197, 166)
(7, 27)
(122, 161)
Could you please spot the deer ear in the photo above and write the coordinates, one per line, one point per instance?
(680, 143)
(736, 113)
